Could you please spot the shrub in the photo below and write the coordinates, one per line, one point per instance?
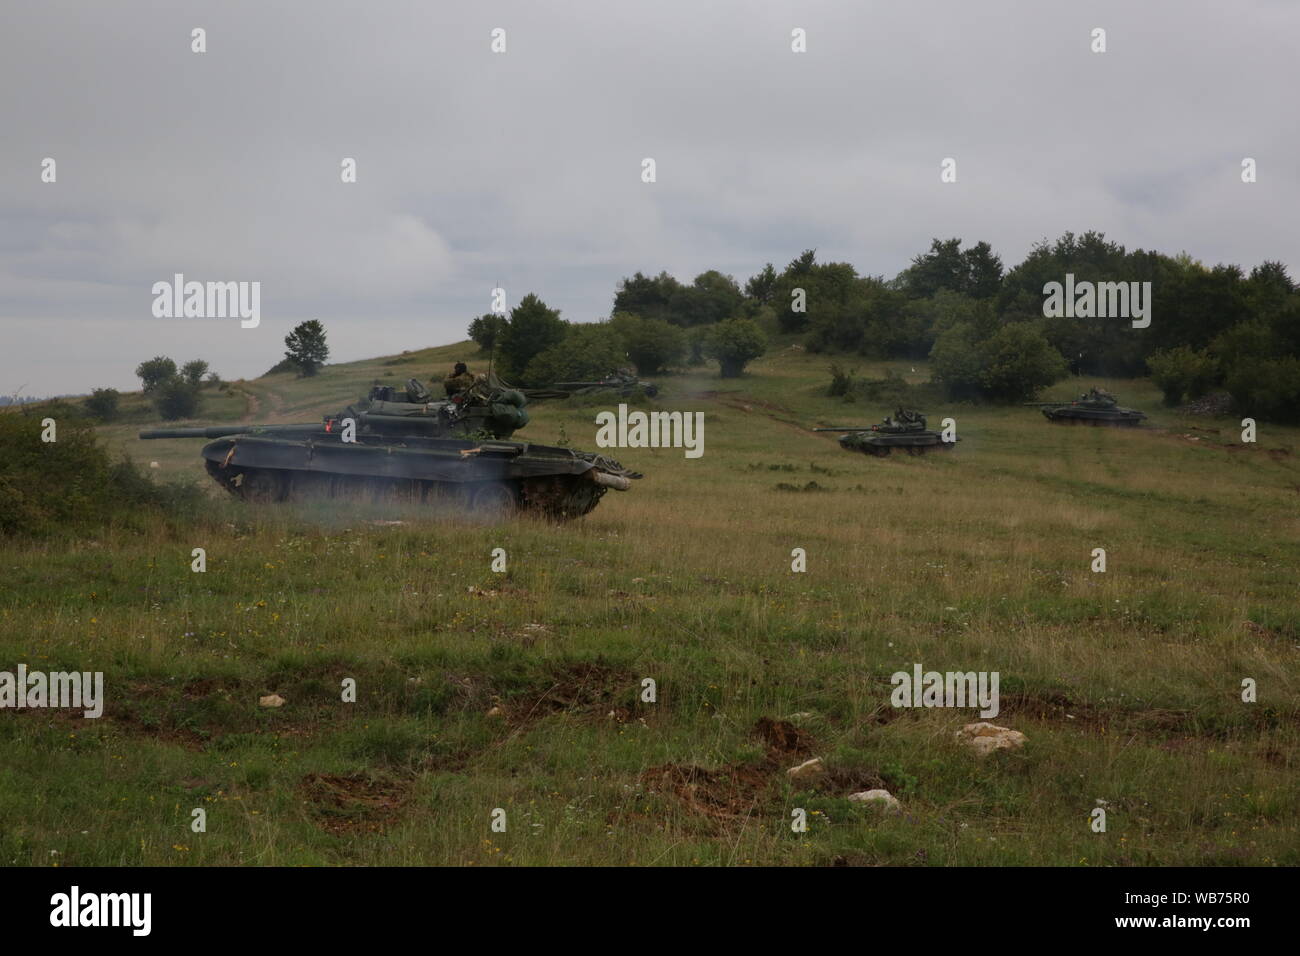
(842, 381)
(651, 344)
(734, 343)
(586, 353)
(1267, 388)
(176, 398)
(1181, 371)
(1011, 365)
(102, 404)
(1018, 361)
(193, 372)
(69, 483)
(484, 330)
(154, 372)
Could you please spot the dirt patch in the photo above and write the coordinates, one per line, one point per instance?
(783, 738)
(776, 413)
(589, 687)
(353, 803)
(1279, 454)
(734, 791)
(737, 789)
(1048, 705)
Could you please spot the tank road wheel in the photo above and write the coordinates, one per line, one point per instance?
(493, 500)
(261, 486)
(880, 451)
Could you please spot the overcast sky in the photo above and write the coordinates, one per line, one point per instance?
(524, 168)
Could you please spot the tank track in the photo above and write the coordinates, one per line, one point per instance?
(558, 497)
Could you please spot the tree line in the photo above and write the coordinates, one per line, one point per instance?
(981, 325)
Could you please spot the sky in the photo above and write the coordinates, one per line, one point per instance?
(523, 169)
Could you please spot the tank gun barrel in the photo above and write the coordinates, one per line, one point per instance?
(221, 431)
(844, 428)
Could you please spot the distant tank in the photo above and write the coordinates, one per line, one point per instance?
(1094, 407)
(905, 430)
(399, 440)
(621, 381)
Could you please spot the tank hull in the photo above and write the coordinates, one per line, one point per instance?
(881, 444)
(1081, 415)
(495, 475)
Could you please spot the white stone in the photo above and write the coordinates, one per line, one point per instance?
(876, 796)
(984, 738)
(807, 770)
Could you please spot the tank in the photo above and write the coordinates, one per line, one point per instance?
(456, 452)
(1094, 407)
(904, 430)
(621, 382)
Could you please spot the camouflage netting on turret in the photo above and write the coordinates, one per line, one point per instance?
(506, 410)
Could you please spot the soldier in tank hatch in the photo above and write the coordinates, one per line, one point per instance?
(460, 380)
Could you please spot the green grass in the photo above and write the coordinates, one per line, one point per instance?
(1127, 683)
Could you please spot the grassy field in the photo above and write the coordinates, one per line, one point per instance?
(521, 691)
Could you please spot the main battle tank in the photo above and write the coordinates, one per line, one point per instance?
(1094, 407)
(905, 430)
(457, 450)
(621, 381)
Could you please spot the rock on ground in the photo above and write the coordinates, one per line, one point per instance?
(876, 796)
(984, 738)
(807, 770)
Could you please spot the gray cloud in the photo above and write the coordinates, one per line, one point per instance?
(523, 169)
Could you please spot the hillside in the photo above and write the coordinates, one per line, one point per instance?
(521, 691)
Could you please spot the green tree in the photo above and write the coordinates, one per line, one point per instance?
(1245, 340)
(955, 362)
(306, 347)
(194, 371)
(1181, 371)
(484, 330)
(647, 296)
(711, 298)
(1266, 388)
(154, 372)
(825, 291)
(651, 344)
(761, 287)
(532, 329)
(1018, 361)
(976, 272)
(102, 403)
(734, 343)
(176, 398)
(1010, 365)
(588, 351)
